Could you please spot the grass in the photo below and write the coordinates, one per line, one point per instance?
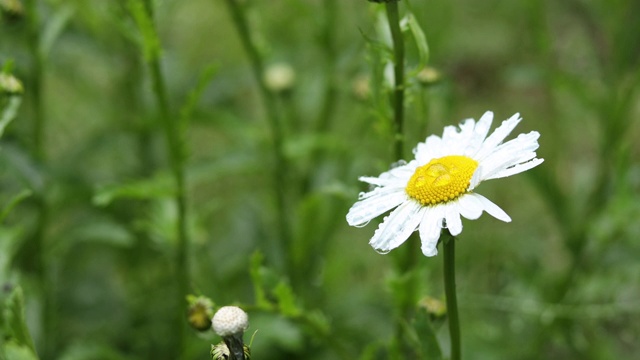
(89, 165)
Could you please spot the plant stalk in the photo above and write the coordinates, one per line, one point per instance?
(398, 72)
(280, 167)
(450, 292)
(175, 144)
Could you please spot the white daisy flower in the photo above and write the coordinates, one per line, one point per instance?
(439, 183)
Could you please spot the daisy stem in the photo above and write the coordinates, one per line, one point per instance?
(398, 72)
(175, 143)
(280, 166)
(450, 292)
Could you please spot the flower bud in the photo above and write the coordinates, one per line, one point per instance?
(279, 77)
(10, 85)
(200, 312)
(434, 307)
(429, 76)
(230, 320)
(11, 9)
(361, 87)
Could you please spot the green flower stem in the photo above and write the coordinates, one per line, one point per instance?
(398, 72)
(407, 259)
(38, 250)
(174, 140)
(280, 168)
(449, 244)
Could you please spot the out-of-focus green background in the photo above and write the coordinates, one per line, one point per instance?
(559, 282)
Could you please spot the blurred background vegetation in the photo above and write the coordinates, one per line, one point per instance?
(89, 249)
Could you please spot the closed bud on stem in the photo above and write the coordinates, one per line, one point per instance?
(11, 9)
(199, 312)
(280, 77)
(230, 322)
(429, 76)
(10, 85)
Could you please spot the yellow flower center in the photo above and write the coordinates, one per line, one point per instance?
(442, 179)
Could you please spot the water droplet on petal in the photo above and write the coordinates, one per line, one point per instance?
(362, 225)
(362, 195)
(382, 252)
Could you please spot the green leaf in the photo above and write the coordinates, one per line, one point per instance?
(150, 41)
(13, 202)
(286, 300)
(159, 186)
(257, 258)
(186, 111)
(419, 38)
(426, 335)
(16, 326)
(14, 351)
(53, 28)
(9, 112)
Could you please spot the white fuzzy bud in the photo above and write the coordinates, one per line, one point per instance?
(230, 320)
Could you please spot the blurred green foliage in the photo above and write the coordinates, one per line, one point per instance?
(84, 168)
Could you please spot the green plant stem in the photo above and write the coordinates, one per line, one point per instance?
(398, 72)
(38, 251)
(450, 292)
(175, 144)
(277, 131)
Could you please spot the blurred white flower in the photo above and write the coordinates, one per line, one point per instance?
(279, 77)
(438, 184)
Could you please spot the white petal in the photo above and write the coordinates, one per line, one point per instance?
(397, 227)
(480, 132)
(492, 209)
(430, 229)
(469, 206)
(516, 169)
(497, 136)
(375, 203)
(452, 215)
(514, 152)
(384, 181)
(476, 179)
(430, 149)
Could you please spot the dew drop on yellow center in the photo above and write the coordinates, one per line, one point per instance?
(442, 179)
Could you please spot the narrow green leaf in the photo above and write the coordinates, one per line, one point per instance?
(53, 28)
(419, 38)
(256, 276)
(150, 41)
(159, 186)
(9, 112)
(13, 202)
(14, 351)
(426, 336)
(186, 111)
(16, 323)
